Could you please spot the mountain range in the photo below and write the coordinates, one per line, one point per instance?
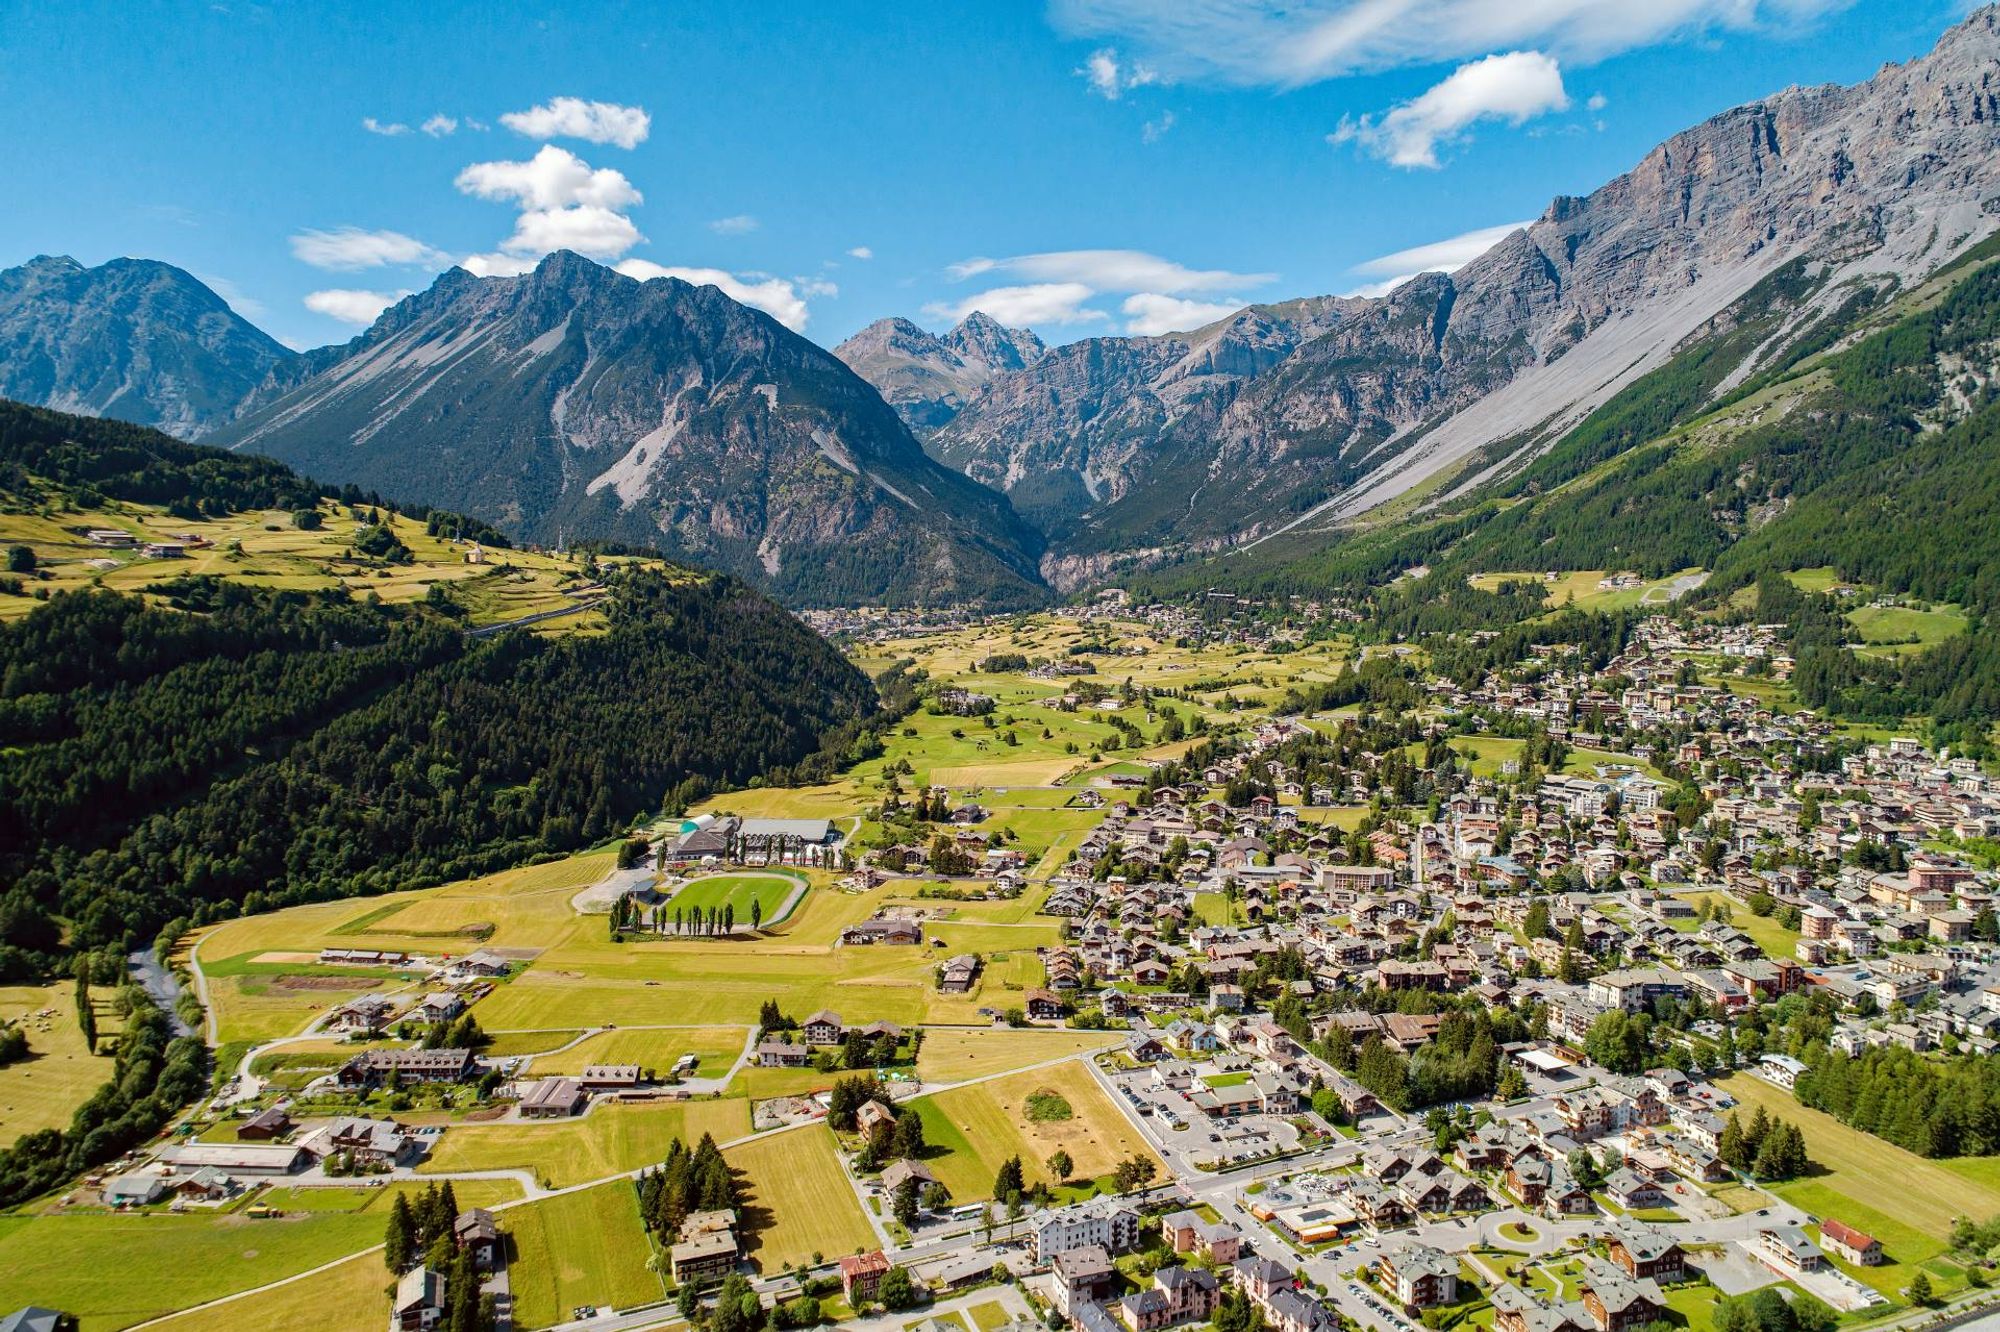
(909, 466)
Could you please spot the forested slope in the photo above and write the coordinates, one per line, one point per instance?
(214, 747)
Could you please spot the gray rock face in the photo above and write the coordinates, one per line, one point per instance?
(575, 402)
(929, 378)
(131, 339)
(1145, 446)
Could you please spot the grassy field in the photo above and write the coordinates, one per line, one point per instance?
(800, 1202)
(954, 1056)
(59, 1074)
(715, 1047)
(352, 1297)
(1903, 630)
(115, 1270)
(610, 1140)
(579, 1248)
(265, 549)
(1764, 931)
(980, 1126)
(1907, 1196)
(738, 891)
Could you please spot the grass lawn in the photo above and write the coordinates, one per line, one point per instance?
(44, 1090)
(979, 1127)
(1911, 1199)
(800, 1202)
(988, 1316)
(1764, 931)
(1226, 1079)
(955, 1056)
(1214, 909)
(579, 1248)
(737, 891)
(353, 1297)
(609, 1140)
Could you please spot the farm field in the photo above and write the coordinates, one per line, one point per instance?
(352, 1297)
(799, 1202)
(263, 548)
(578, 1248)
(715, 1047)
(980, 1126)
(1915, 1196)
(162, 1263)
(954, 1056)
(611, 1139)
(59, 1074)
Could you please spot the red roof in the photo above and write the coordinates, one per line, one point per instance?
(862, 1264)
(1841, 1233)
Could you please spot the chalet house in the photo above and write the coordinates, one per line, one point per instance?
(783, 1054)
(1850, 1245)
(1044, 1005)
(1177, 1295)
(1083, 1275)
(1617, 1302)
(476, 1233)
(395, 1068)
(823, 1028)
(1647, 1251)
(1787, 1251)
(707, 1248)
(419, 1301)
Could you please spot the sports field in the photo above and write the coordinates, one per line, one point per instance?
(979, 1127)
(737, 892)
(610, 1140)
(799, 1202)
(59, 1074)
(579, 1248)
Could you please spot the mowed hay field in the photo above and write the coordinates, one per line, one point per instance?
(799, 1201)
(1871, 1184)
(352, 1297)
(580, 1248)
(112, 1271)
(981, 1126)
(610, 1140)
(737, 892)
(954, 1056)
(715, 1047)
(59, 1074)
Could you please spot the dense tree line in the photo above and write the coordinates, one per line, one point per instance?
(685, 1183)
(258, 749)
(1930, 1107)
(154, 1074)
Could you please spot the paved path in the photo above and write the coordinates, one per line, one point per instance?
(560, 611)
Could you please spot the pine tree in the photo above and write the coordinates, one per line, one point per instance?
(400, 1239)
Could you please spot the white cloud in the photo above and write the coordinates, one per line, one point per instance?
(388, 129)
(1287, 43)
(1152, 313)
(861, 252)
(1037, 303)
(738, 225)
(1598, 101)
(360, 308)
(1111, 270)
(1443, 256)
(553, 178)
(346, 249)
(1155, 130)
(1515, 86)
(498, 265)
(1109, 78)
(774, 296)
(591, 231)
(574, 118)
(440, 125)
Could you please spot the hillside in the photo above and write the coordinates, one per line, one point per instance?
(266, 700)
(573, 401)
(132, 339)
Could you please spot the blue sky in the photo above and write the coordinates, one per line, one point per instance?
(1085, 166)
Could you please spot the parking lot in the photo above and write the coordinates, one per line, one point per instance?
(1171, 1120)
